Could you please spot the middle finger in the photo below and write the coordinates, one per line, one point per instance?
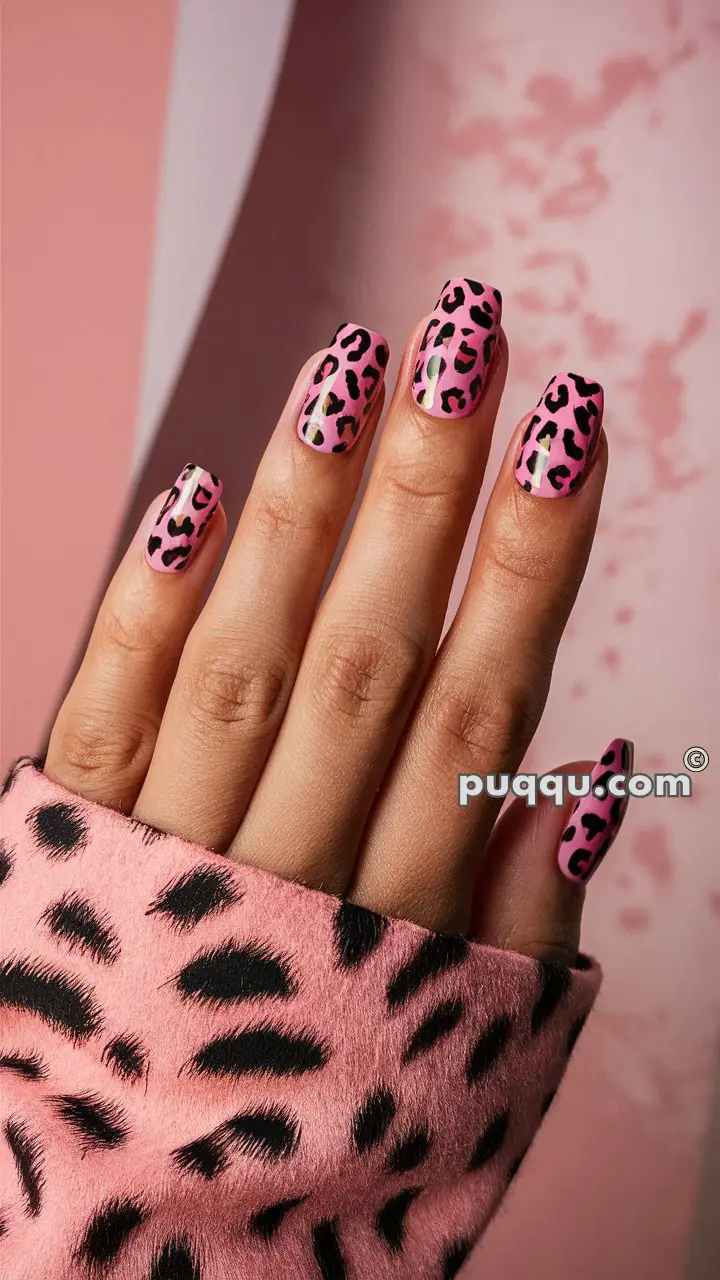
(378, 628)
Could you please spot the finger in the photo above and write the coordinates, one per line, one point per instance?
(239, 663)
(488, 686)
(378, 627)
(526, 896)
(105, 732)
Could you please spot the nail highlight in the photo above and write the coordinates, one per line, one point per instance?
(344, 388)
(457, 348)
(184, 517)
(560, 437)
(597, 817)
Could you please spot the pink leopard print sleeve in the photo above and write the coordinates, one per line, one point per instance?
(211, 1073)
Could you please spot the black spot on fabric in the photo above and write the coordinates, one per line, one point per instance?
(266, 1222)
(593, 824)
(27, 1154)
(206, 1157)
(548, 1101)
(16, 768)
(373, 1119)
(585, 388)
(61, 1001)
(60, 829)
(583, 961)
(328, 1254)
(434, 956)
(5, 861)
(409, 1152)
(108, 1232)
(574, 1032)
(515, 1164)
(488, 1048)
(439, 1023)
(176, 1261)
(231, 973)
(77, 922)
(454, 1256)
(358, 931)
(126, 1057)
(555, 982)
(147, 832)
(95, 1121)
(195, 895)
(390, 1221)
(29, 1066)
(268, 1133)
(263, 1050)
(489, 1142)
(3, 1227)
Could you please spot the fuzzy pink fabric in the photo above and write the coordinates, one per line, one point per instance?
(211, 1073)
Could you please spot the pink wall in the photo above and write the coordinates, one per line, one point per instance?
(563, 151)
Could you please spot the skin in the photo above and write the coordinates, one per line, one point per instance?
(322, 741)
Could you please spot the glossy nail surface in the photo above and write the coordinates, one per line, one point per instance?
(457, 348)
(343, 389)
(560, 437)
(183, 519)
(596, 818)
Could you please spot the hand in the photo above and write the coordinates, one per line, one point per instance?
(324, 744)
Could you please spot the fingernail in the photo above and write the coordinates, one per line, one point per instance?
(596, 818)
(560, 437)
(183, 519)
(343, 389)
(456, 349)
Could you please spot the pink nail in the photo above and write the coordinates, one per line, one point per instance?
(457, 348)
(560, 436)
(596, 818)
(184, 517)
(343, 390)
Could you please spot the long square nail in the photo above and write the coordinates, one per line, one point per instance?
(183, 519)
(456, 349)
(560, 438)
(343, 390)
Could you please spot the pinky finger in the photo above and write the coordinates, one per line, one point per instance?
(530, 893)
(104, 735)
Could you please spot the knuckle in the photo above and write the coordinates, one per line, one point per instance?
(364, 673)
(488, 725)
(418, 476)
(91, 743)
(225, 688)
(133, 632)
(278, 516)
(514, 552)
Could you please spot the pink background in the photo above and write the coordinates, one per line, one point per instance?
(564, 152)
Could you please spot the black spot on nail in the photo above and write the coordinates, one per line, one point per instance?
(195, 895)
(27, 1154)
(60, 829)
(78, 923)
(434, 956)
(358, 931)
(61, 1001)
(373, 1119)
